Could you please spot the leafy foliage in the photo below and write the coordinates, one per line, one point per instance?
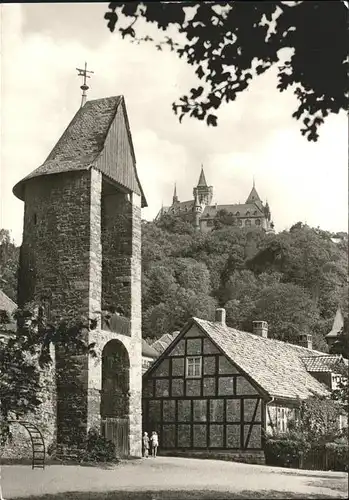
(317, 421)
(9, 255)
(230, 43)
(312, 434)
(98, 449)
(25, 356)
(279, 278)
(295, 279)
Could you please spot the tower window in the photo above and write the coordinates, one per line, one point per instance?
(35, 219)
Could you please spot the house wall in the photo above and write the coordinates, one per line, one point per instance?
(277, 417)
(220, 411)
(207, 225)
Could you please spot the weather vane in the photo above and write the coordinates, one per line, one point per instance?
(84, 87)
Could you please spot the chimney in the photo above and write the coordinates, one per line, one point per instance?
(220, 316)
(260, 328)
(305, 340)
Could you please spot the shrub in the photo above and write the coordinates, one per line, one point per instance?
(98, 448)
(285, 452)
(337, 456)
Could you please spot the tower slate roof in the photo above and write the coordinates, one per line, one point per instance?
(202, 179)
(82, 144)
(253, 197)
(338, 324)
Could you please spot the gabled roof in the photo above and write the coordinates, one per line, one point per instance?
(163, 342)
(325, 363)
(338, 324)
(7, 304)
(253, 196)
(276, 366)
(83, 142)
(148, 351)
(202, 180)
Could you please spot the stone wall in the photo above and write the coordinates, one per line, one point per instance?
(82, 246)
(250, 457)
(19, 446)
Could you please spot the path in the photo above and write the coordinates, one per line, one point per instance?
(169, 474)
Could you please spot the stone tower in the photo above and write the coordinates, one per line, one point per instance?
(202, 191)
(81, 253)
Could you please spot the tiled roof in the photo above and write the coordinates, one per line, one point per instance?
(325, 363)
(276, 366)
(148, 351)
(241, 209)
(81, 143)
(6, 304)
(163, 342)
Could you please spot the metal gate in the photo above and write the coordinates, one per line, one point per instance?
(116, 430)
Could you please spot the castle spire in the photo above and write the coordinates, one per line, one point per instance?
(202, 180)
(253, 197)
(84, 87)
(175, 197)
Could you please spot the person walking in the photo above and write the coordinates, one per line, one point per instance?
(154, 439)
(145, 445)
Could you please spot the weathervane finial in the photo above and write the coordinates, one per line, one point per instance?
(84, 87)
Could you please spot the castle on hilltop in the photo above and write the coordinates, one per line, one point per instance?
(200, 212)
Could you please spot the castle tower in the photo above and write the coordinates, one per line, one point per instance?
(202, 191)
(197, 208)
(81, 253)
(253, 197)
(175, 197)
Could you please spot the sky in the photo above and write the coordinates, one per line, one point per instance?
(43, 44)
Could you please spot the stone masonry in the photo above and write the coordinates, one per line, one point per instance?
(81, 252)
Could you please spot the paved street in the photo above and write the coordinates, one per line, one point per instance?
(170, 478)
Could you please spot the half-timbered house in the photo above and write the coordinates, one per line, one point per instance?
(216, 391)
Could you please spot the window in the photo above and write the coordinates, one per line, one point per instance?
(240, 222)
(35, 219)
(194, 367)
(258, 222)
(282, 419)
(237, 214)
(247, 222)
(248, 213)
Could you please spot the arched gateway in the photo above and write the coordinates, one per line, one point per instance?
(115, 395)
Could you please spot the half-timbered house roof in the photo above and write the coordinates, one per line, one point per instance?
(164, 341)
(84, 142)
(324, 363)
(277, 367)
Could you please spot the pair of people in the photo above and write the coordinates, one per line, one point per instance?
(152, 442)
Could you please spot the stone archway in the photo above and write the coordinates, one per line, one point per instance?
(115, 395)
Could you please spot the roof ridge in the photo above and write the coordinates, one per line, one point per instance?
(266, 339)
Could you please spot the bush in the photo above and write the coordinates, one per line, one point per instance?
(337, 456)
(285, 452)
(98, 448)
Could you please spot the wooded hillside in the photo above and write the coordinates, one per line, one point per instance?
(294, 280)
